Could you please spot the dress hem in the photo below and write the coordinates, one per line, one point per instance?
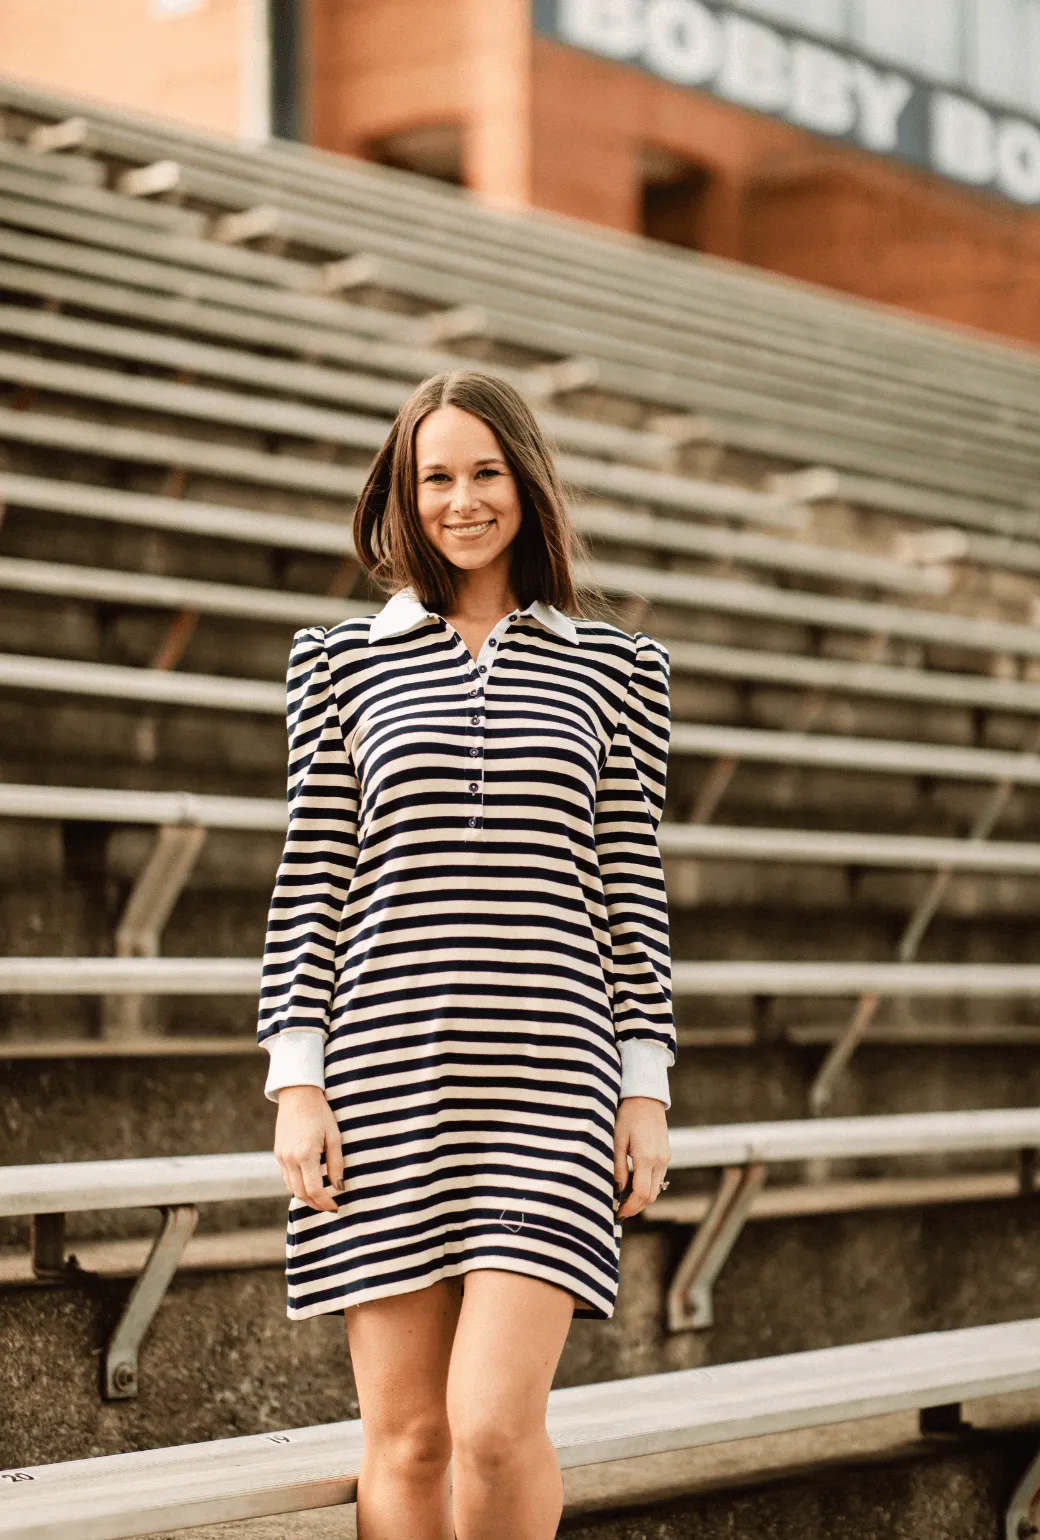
(583, 1309)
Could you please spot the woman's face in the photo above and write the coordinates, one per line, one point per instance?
(468, 500)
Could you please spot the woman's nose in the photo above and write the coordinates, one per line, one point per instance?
(462, 497)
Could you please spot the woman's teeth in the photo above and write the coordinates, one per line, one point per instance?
(470, 529)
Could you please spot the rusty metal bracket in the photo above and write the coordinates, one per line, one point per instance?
(690, 1303)
(120, 1370)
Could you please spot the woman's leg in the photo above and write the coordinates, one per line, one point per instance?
(400, 1350)
(506, 1480)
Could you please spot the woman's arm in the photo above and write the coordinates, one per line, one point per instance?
(629, 805)
(299, 968)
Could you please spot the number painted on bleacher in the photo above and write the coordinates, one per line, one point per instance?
(16, 1475)
(278, 1438)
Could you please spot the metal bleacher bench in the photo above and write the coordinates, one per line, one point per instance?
(307, 1468)
(933, 1374)
(743, 1153)
(412, 362)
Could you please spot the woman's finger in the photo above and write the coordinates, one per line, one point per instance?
(314, 1186)
(657, 1180)
(334, 1155)
(640, 1195)
(620, 1160)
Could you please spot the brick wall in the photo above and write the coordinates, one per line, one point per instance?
(185, 62)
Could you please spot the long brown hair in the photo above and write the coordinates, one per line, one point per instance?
(388, 534)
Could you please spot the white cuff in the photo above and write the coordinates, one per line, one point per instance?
(297, 1058)
(644, 1069)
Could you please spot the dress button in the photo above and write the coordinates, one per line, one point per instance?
(492, 642)
(475, 692)
(473, 823)
(474, 785)
(474, 753)
(482, 669)
(475, 721)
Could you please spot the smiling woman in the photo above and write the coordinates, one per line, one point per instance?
(467, 986)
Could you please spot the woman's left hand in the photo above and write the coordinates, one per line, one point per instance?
(640, 1131)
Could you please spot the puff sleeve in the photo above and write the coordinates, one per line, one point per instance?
(629, 805)
(318, 861)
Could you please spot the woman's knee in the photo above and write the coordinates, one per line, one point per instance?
(415, 1449)
(492, 1444)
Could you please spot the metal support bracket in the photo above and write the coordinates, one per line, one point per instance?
(1023, 1514)
(151, 901)
(119, 1375)
(947, 1420)
(47, 1248)
(690, 1303)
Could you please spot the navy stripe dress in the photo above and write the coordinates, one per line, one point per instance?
(468, 930)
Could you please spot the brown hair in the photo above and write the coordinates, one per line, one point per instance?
(389, 537)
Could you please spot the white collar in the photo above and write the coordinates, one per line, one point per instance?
(403, 610)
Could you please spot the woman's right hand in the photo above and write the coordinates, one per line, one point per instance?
(305, 1129)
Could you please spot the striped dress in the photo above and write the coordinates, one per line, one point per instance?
(468, 933)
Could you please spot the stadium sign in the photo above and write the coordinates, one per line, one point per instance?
(829, 90)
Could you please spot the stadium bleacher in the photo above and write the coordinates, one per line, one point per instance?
(828, 513)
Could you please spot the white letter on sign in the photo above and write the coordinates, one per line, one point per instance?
(882, 99)
(964, 139)
(821, 89)
(611, 27)
(755, 68)
(1018, 160)
(683, 41)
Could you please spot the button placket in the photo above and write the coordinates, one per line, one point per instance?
(478, 724)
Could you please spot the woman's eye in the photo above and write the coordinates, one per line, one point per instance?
(436, 476)
(488, 470)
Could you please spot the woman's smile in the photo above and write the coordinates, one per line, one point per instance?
(469, 531)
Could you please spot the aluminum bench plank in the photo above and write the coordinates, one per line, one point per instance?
(685, 589)
(854, 978)
(82, 1185)
(774, 306)
(72, 581)
(143, 589)
(86, 803)
(77, 1186)
(71, 168)
(66, 434)
(184, 516)
(70, 193)
(909, 1133)
(117, 1496)
(920, 852)
(822, 610)
(700, 841)
(575, 341)
(201, 402)
(157, 686)
(331, 386)
(299, 420)
(416, 363)
(241, 976)
(885, 756)
(151, 271)
(794, 671)
(130, 975)
(116, 682)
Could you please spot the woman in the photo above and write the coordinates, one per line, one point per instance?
(467, 985)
